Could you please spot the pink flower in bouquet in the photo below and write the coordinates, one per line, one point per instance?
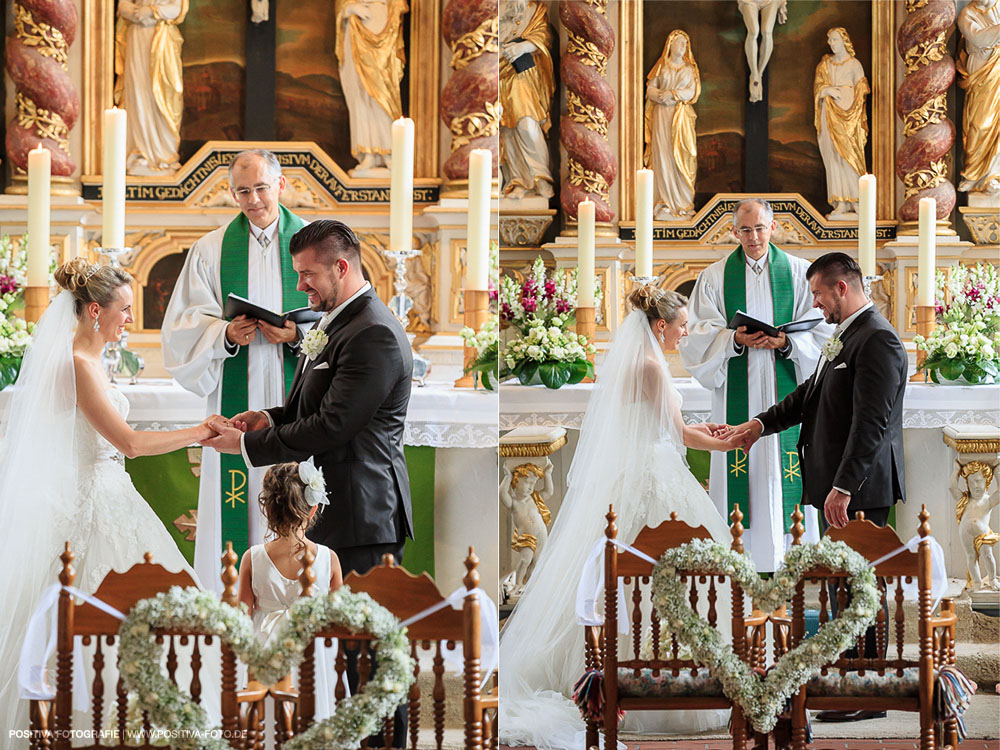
(550, 288)
(530, 304)
(505, 312)
(7, 285)
(562, 306)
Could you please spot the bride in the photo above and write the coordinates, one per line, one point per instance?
(629, 455)
(62, 469)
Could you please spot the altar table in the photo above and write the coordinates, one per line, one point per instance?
(927, 408)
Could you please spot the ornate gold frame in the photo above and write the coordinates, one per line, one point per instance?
(424, 55)
(631, 79)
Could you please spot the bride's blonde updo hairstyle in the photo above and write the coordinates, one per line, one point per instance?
(658, 304)
(91, 282)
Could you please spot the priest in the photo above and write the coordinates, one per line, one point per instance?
(240, 364)
(747, 370)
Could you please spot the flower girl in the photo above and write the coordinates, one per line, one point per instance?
(269, 572)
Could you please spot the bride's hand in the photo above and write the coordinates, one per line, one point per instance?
(712, 429)
(208, 429)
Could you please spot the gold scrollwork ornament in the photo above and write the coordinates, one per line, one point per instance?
(47, 40)
(925, 179)
(588, 52)
(926, 52)
(932, 111)
(481, 40)
(587, 115)
(590, 181)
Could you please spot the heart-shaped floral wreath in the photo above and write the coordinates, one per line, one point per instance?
(763, 699)
(355, 718)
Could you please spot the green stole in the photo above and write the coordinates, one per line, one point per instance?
(737, 404)
(233, 270)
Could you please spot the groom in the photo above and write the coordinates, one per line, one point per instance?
(851, 412)
(346, 405)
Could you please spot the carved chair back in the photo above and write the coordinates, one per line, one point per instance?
(651, 651)
(405, 595)
(95, 633)
(852, 680)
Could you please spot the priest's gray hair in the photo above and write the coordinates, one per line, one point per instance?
(273, 165)
(768, 211)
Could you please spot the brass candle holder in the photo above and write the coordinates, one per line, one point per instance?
(477, 310)
(586, 325)
(925, 324)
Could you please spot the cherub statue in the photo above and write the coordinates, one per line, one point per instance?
(519, 494)
(972, 510)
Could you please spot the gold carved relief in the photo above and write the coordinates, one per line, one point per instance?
(924, 179)
(588, 52)
(588, 180)
(930, 112)
(588, 115)
(484, 38)
(925, 52)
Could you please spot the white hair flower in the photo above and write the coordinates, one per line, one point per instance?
(312, 478)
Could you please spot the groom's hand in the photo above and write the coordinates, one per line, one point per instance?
(835, 508)
(226, 441)
(248, 421)
(748, 433)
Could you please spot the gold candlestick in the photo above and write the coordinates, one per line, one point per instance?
(36, 299)
(477, 309)
(925, 324)
(586, 325)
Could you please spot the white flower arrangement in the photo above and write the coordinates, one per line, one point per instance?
(831, 348)
(314, 343)
(966, 344)
(192, 609)
(763, 699)
(15, 333)
(486, 342)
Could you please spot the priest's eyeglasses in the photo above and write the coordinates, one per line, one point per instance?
(751, 231)
(262, 190)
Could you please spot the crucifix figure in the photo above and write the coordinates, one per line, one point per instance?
(759, 17)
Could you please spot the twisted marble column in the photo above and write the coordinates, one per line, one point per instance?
(590, 106)
(46, 104)
(470, 105)
(923, 160)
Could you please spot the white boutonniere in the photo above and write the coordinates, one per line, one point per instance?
(313, 343)
(832, 347)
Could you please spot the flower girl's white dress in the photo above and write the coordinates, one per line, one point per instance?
(274, 595)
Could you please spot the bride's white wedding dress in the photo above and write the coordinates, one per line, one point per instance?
(60, 480)
(629, 456)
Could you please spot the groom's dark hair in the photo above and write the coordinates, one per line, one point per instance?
(834, 267)
(331, 239)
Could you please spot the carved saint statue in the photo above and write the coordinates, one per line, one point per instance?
(839, 93)
(973, 509)
(519, 494)
(979, 70)
(149, 82)
(526, 87)
(759, 17)
(371, 54)
(673, 86)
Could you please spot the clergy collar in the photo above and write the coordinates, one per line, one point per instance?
(844, 325)
(329, 316)
(270, 231)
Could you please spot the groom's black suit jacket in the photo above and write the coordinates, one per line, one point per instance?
(347, 408)
(852, 419)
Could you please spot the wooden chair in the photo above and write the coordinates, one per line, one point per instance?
(405, 594)
(665, 682)
(889, 682)
(51, 721)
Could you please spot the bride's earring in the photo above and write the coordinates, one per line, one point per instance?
(97, 324)
(662, 340)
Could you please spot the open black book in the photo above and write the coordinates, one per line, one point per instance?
(236, 305)
(753, 325)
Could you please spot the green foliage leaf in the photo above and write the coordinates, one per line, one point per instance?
(951, 369)
(554, 374)
(9, 368)
(578, 370)
(526, 370)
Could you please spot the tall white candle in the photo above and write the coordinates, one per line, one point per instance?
(866, 224)
(925, 251)
(39, 178)
(113, 199)
(585, 253)
(644, 222)
(401, 186)
(477, 251)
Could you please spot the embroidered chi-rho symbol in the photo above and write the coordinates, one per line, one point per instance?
(236, 493)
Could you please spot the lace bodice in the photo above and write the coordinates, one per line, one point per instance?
(91, 447)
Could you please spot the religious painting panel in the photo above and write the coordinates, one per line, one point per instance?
(313, 96)
(795, 164)
(717, 34)
(214, 56)
(159, 286)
